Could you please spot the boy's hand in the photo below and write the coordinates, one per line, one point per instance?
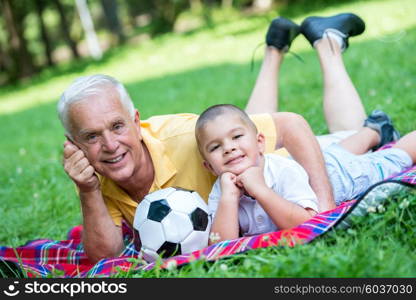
(252, 180)
(79, 169)
(229, 186)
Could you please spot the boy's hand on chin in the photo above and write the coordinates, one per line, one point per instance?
(252, 181)
(229, 185)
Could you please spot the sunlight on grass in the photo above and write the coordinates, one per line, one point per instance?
(234, 42)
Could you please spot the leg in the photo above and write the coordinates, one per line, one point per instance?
(377, 131)
(329, 35)
(361, 142)
(279, 37)
(408, 144)
(264, 97)
(343, 108)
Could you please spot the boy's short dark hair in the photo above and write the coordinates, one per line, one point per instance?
(214, 111)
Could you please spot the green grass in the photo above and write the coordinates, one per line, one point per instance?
(186, 73)
(374, 248)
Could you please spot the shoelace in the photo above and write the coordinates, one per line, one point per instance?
(298, 57)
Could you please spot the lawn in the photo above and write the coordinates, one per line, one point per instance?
(187, 72)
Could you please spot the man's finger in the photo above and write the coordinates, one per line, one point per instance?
(88, 172)
(69, 149)
(79, 163)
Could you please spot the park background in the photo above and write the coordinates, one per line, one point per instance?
(183, 56)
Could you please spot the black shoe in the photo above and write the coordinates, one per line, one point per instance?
(348, 24)
(281, 33)
(381, 122)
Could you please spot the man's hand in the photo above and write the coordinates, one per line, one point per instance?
(101, 238)
(79, 169)
(297, 137)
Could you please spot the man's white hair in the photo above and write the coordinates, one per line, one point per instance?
(84, 87)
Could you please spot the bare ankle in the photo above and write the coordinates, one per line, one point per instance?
(328, 45)
(374, 136)
(271, 51)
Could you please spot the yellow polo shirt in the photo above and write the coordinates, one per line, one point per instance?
(171, 142)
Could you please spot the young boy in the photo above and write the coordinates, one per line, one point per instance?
(257, 193)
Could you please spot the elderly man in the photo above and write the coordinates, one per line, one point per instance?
(115, 158)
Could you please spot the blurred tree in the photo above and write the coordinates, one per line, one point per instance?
(5, 61)
(110, 9)
(294, 8)
(243, 3)
(226, 3)
(88, 26)
(136, 8)
(195, 5)
(3, 54)
(165, 13)
(20, 62)
(207, 12)
(64, 26)
(40, 6)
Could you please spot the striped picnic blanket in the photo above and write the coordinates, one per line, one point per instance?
(48, 258)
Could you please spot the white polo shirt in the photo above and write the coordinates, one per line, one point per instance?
(286, 178)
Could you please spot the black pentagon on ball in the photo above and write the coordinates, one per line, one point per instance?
(199, 219)
(169, 249)
(158, 210)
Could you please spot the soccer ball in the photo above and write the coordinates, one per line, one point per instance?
(172, 221)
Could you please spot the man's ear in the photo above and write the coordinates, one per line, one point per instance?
(137, 123)
(261, 142)
(137, 117)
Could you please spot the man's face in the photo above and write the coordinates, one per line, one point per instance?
(105, 131)
(230, 145)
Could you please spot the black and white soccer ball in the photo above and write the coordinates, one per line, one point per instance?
(172, 221)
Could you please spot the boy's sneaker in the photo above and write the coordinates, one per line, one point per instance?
(281, 33)
(381, 122)
(344, 25)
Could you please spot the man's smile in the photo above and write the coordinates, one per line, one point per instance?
(115, 159)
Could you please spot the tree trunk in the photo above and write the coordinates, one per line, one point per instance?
(226, 3)
(110, 9)
(196, 5)
(165, 14)
(65, 29)
(3, 59)
(22, 63)
(40, 5)
(207, 13)
(136, 8)
(88, 25)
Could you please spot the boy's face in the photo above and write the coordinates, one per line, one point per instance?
(228, 144)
